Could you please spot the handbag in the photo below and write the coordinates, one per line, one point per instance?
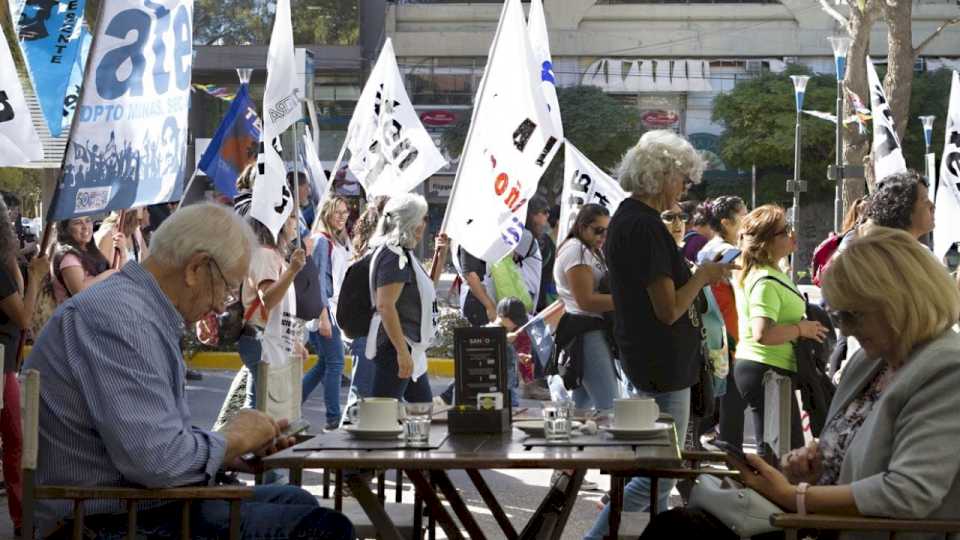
(742, 509)
(702, 397)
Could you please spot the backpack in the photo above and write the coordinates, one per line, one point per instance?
(307, 284)
(355, 307)
(822, 255)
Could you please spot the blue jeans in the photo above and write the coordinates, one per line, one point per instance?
(386, 383)
(275, 512)
(250, 351)
(599, 386)
(636, 494)
(361, 376)
(328, 369)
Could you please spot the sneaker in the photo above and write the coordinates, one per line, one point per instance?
(194, 375)
(332, 425)
(586, 485)
(533, 390)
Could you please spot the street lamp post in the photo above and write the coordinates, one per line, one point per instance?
(928, 158)
(796, 185)
(841, 46)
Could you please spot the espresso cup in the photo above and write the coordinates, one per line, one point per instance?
(635, 413)
(377, 414)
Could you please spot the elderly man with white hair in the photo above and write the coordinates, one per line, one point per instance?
(113, 407)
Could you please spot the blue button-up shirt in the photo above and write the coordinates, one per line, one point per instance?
(113, 407)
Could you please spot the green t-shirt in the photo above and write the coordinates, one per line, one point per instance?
(769, 299)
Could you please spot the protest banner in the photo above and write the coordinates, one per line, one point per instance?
(584, 183)
(510, 143)
(19, 142)
(390, 151)
(49, 32)
(272, 199)
(128, 141)
(947, 214)
(72, 97)
(887, 155)
(234, 145)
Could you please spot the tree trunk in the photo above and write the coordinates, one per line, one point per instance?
(856, 147)
(898, 83)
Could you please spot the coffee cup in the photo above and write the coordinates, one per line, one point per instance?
(380, 414)
(635, 413)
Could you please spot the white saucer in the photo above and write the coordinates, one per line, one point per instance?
(633, 433)
(534, 428)
(374, 433)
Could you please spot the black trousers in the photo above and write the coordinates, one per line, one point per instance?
(749, 377)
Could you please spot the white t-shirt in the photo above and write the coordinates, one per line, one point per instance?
(575, 253)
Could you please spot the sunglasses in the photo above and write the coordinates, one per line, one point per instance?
(787, 230)
(599, 231)
(846, 318)
(674, 216)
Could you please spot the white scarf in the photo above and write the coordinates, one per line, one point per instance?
(429, 313)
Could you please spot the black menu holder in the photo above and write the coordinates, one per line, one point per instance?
(480, 360)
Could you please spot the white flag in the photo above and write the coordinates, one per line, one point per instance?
(510, 143)
(312, 164)
(947, 215)
(390, 151)
(583, 183)
(540, 43)
(272, 200)
(887, 155)
(19, 143)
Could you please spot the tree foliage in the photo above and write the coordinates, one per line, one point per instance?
(238, 22)
(759, 117)
(930, 96)
(597, 124)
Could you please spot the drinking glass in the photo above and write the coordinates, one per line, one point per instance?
(557, 420)
(416, 423)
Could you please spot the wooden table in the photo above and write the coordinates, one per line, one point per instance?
(427, 469)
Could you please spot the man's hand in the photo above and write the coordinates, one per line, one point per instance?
(491, 312)
(249, 431)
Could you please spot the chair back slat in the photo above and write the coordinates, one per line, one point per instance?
(30, 417)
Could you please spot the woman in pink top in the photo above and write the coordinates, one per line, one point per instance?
(78, 262)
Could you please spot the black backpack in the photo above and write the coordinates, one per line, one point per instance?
(354, 305)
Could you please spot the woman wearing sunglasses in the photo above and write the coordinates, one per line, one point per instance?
(771, 311)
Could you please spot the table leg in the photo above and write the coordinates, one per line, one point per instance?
(491, 502)
(417, 514)
(399, 493)
(437, 511)
(326, 482)
(569, 499)
(296, 476)
(441, 480)
(654, 495)
(338, 493)
(374, 510)
(616, 505)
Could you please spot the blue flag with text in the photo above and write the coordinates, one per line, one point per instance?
(235, 144)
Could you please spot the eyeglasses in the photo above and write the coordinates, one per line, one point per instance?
(787, 230)
(846, 318)
(599, 231)
(674, 216)
(231, 292)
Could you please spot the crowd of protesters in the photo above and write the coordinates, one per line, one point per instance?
(632, 303)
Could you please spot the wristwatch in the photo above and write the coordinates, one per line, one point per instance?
(802, 498)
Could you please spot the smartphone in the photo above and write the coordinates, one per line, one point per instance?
(296, 427)
(735, 454)
(729, 256)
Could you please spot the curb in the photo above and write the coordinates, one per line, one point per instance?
(437, 367)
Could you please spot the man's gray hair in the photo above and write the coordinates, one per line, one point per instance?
(204, 227)
(401, 216)
(657, 156)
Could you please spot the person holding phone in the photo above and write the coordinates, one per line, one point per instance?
(888, 448)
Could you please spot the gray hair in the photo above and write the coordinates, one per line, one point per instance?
(204, 227)
(401, 216)
(658, 154)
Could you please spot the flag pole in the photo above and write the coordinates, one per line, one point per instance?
(186, 188)
(296, 177)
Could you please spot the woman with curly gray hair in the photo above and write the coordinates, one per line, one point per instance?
(404, 324)
(658, 302)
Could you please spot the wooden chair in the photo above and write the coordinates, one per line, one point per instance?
(30, 414)
(792, 523)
